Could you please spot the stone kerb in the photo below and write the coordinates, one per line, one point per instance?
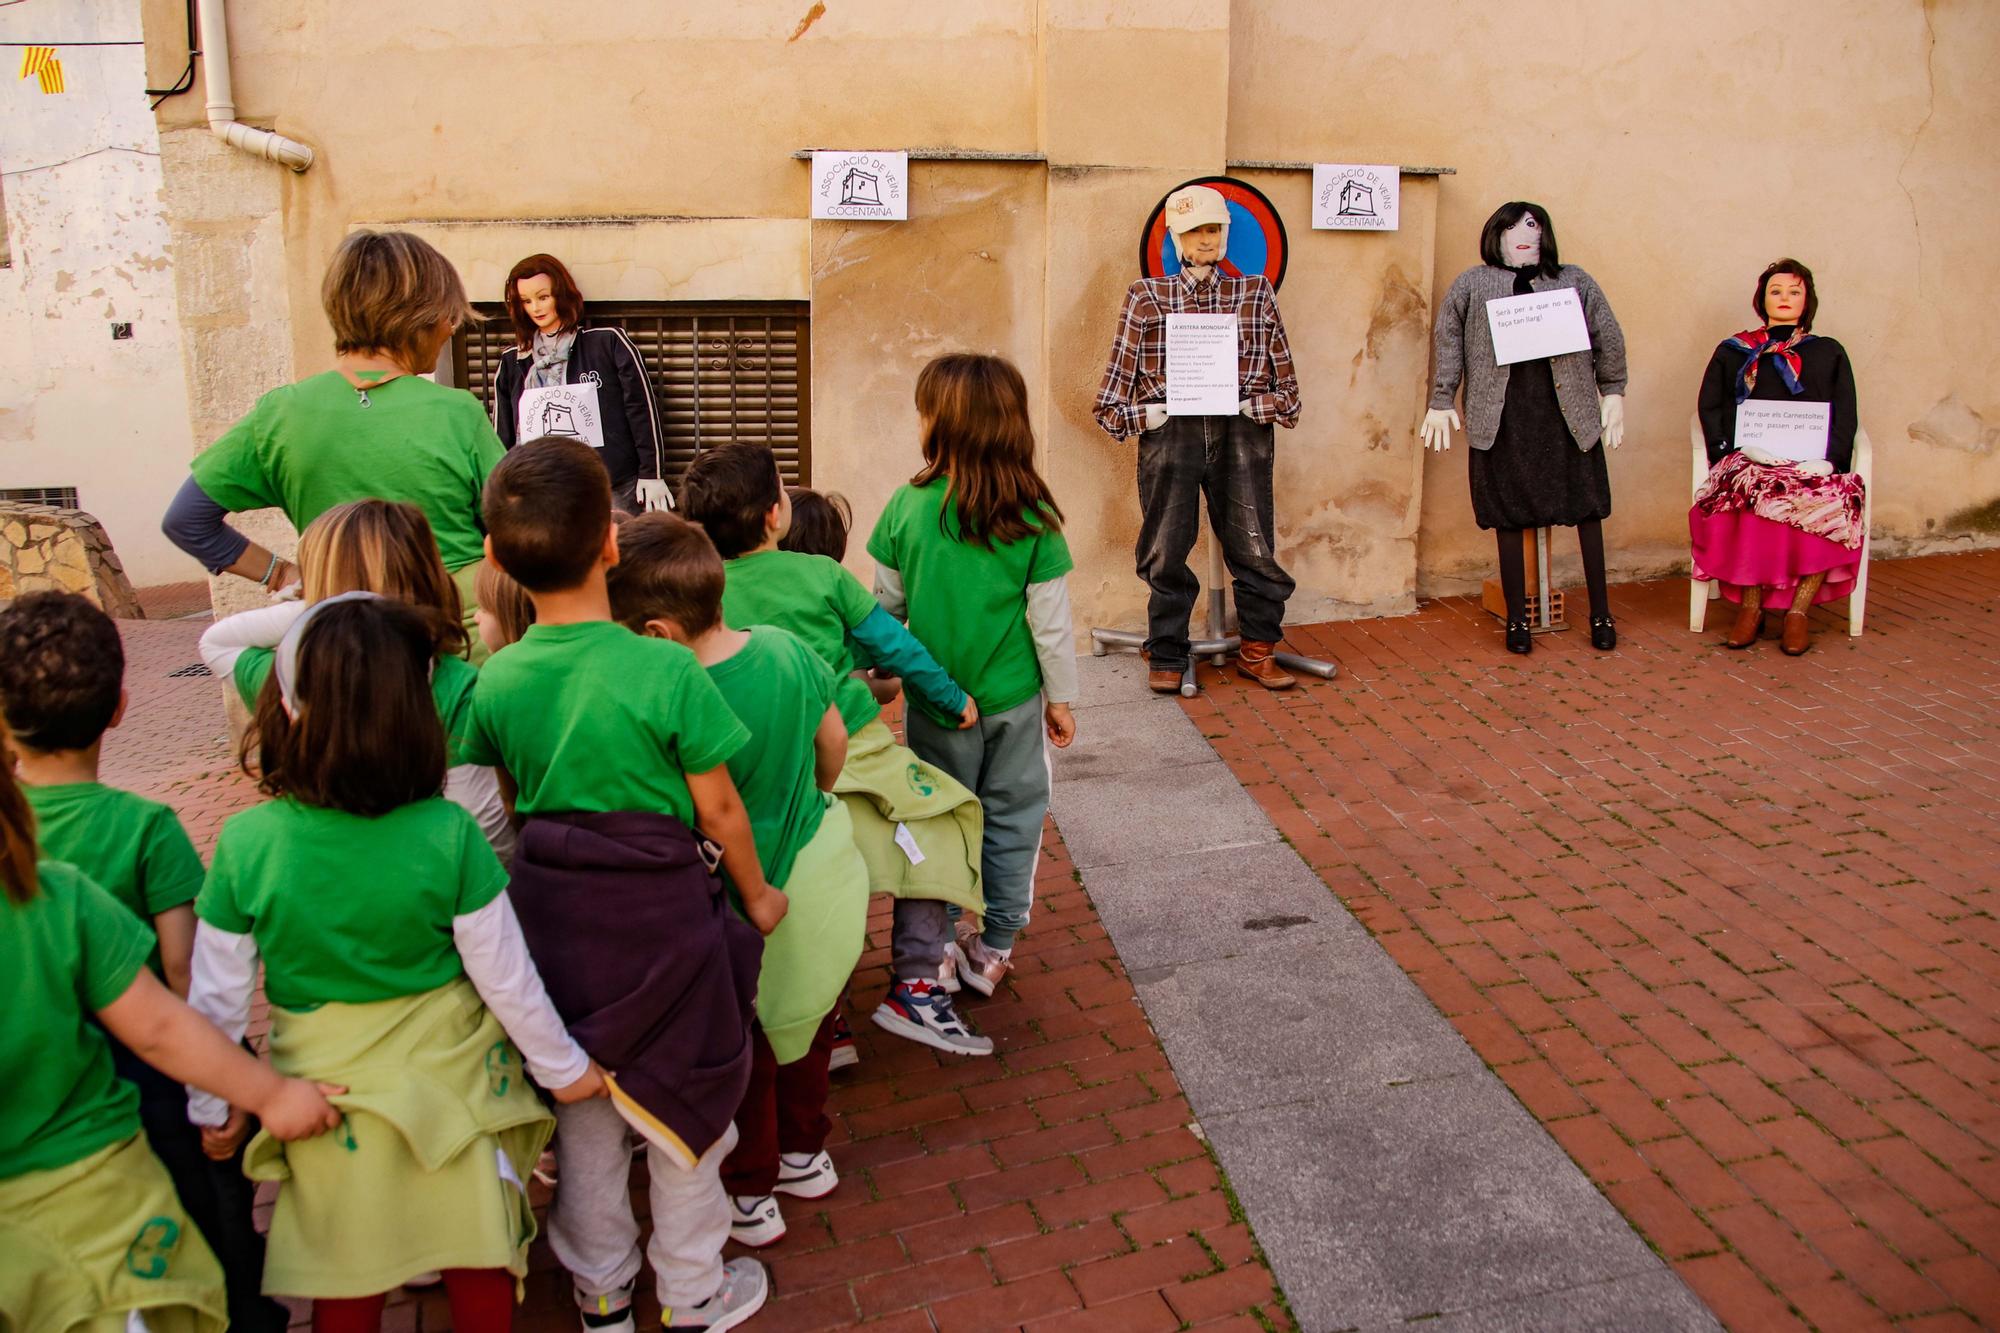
(43, 547)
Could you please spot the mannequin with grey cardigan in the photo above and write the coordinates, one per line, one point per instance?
(1534, 426)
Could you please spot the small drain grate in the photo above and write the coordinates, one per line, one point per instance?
(197, 669)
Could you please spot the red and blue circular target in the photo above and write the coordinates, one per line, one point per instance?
(1256, 233)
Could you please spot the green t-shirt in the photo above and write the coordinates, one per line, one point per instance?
(345, 908)
(132, 848)
(815, 598)
(780, 690)
(592, 717)
(309, 446)
(452, 682)
(969, 604)
(64, 954)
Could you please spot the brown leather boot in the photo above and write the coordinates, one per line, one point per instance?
(1254, 662)
(1749, 623)
(1797, 636)
(1163, 682)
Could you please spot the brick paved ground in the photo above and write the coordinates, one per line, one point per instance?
(1725, 922)
(1053, 1187)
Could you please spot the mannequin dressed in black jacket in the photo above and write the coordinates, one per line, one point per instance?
(565, 376)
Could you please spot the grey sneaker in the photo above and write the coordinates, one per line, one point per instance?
(744, 1291)
(921, 1011)
(610, 1312)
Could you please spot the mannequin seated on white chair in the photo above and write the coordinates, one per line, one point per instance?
(1766, 527)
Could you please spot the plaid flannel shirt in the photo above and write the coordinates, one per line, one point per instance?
(1137, 373)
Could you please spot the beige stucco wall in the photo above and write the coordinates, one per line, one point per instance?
(1679, 148)
(654, 149)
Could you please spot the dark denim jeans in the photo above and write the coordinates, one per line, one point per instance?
(1228, 459)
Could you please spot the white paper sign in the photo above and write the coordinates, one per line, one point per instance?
(560, 409)
(1798, 431)
(1201, 366)
(1540, 324)
(868, 186)
(1356, 198)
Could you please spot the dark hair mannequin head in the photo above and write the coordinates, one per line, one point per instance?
(1797, 270)
(1507, 215)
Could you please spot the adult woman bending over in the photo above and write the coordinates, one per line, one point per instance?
(1769, 529)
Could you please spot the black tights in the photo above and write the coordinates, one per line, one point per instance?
(1514, 573)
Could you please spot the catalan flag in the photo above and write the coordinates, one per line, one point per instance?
(40, 62)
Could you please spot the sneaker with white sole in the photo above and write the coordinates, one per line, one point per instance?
(948, 971)
(610, 1312)
(745, 1288)
(806, 1175)
(982, 968)
(844, 1053)
(921, 1011)
(754, 1220)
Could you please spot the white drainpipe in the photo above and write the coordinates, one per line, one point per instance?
(222, 99)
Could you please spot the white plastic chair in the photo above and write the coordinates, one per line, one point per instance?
(1703, 591)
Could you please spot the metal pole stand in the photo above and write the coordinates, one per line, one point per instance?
(1220, 643)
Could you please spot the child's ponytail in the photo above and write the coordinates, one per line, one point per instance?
(977, 433)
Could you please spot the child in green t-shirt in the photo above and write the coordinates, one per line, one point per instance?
(736, 494)
(972, 552)
(585, 717)
(90, 1228)
(668, 584)
(62, 669)
(394, 964)
(384, 547)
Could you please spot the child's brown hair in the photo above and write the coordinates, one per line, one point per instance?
(977, 434)
(667, 569)
(505, 600)
(62, 669)
(729, 490)
(17, 833)
(819, 523)
(386, 547)
(387, 291)
(547, 507)
(361, 731)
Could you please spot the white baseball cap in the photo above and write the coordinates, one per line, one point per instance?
(1194, 206)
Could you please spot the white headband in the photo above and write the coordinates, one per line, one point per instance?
(287, 664)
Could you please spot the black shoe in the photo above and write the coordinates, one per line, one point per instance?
(1603, 636)
(1519, 640)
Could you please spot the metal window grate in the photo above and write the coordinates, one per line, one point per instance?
(739, 371)
(198, 669)
(62, 497)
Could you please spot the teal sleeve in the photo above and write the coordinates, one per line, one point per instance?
(112, 943)
(897, 651)
(170, 871)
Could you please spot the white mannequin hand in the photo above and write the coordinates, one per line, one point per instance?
(1244, 407)
(1438, 425)
(1156, 415)
(1611, 416)
(653, 494)
(1817, 467)
(1756, 455)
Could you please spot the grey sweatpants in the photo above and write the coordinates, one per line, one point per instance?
(591, 1227)
(1004, 759)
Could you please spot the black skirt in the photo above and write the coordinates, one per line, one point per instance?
(1534, 476)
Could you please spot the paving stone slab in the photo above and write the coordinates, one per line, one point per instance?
(1385, 1204)
(1146, 816)
(1656, 1302)
(1115, 738)
(1218, 904)
(1322, 1014)
(1115, 678)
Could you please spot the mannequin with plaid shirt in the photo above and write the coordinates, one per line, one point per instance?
(1181, 458)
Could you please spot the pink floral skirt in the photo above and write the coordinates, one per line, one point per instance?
(1752, 525)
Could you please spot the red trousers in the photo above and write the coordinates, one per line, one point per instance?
(784, 1110)
(482, 1301)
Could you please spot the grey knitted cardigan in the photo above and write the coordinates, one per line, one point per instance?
(1462, 345)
